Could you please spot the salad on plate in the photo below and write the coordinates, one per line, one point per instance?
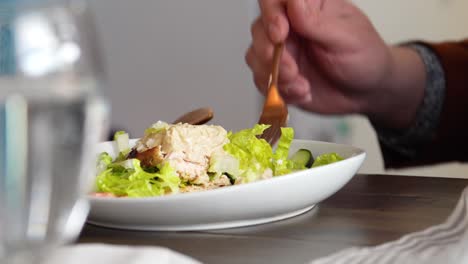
(181, 158)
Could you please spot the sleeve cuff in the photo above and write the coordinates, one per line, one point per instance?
(407, 143)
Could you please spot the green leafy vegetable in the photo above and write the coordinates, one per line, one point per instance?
(256, 157)
(136, 182)
(104, 159)
(156, 128)
(281, 164)
(325, 159)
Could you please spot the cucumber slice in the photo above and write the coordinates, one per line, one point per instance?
(303, 157)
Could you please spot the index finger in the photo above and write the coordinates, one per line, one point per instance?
(274, 19)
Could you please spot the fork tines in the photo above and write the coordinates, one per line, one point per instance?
(275, 114)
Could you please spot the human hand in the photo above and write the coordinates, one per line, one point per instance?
(335, 62)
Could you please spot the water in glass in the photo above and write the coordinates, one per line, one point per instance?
(51, 116)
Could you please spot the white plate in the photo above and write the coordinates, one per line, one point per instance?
(234, 206)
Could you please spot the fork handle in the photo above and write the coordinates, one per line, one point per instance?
(277, 52)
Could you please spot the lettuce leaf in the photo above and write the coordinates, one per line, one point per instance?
(104, 159)
(283, 165)
(256, 157)
(136, 182)
(156, 128)
(325, 159)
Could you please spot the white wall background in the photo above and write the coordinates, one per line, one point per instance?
(166, 57)
(401, 20)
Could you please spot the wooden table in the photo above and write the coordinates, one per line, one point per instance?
(369, 210)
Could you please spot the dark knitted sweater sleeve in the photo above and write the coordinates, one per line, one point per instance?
(439, 132)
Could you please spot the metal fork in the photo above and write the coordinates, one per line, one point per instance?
(275, 111)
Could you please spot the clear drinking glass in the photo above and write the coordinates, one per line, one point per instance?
(51, 116)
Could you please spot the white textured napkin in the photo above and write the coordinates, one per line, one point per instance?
(112, 254)
(446, 243)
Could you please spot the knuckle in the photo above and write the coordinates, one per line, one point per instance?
(255, 26)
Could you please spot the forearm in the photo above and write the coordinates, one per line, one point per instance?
(438, 133)
(403, 147)
(397, 100)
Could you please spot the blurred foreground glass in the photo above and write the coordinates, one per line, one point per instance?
(51, 117)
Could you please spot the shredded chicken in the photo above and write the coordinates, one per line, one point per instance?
(222, 181)
(187, 149)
